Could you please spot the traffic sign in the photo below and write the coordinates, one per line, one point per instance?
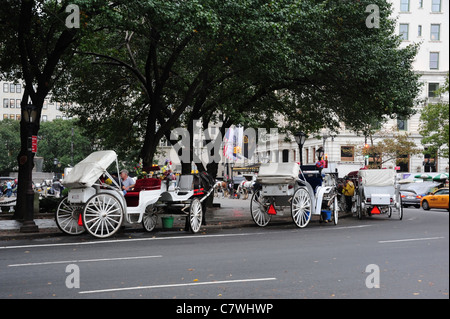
(34, 144)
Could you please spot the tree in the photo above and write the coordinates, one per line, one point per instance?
(435, 126)
(55, 141)
(9, 146)
(37, 46)
(395, 149)
(155, 65)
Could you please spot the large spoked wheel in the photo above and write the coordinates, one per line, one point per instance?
(67, 218)
(301, 207)
(195, 215)
(103, 215)
(150, 219)
(359, 209)
(399, 209)
(259, 207)
(335, 210)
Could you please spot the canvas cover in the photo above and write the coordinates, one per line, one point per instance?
(377, 177)
(89, 170)
(278, 173)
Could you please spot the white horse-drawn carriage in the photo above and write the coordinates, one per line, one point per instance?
(378, 193)
(281, 185)
(102, 208)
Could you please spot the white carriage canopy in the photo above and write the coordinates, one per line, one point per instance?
(89, 170)
(278, 173)
(378, 177)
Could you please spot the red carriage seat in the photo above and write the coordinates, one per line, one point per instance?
(147, 184)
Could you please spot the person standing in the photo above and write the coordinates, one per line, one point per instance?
(348, 191)
(8, 189)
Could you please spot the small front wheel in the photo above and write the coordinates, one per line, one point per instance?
(259, 206)
(195, 215)
(150, 219)
(67, 218)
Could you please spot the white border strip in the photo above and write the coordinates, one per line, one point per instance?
(177, 285)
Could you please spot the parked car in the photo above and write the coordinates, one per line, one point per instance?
(410, 198)
(421, 188)
(438, 199)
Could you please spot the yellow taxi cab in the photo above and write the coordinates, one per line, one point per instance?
(438, 199)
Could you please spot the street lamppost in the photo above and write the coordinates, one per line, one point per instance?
(321, 152)
(300, 138)
(30, 117)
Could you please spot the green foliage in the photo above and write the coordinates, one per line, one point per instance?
(435, 126)
(397, 148)
(55, 140)
(144, 67)
(9, 145)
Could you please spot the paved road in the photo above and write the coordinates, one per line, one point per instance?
(280, 261)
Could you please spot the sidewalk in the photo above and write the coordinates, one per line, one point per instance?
(232, 213)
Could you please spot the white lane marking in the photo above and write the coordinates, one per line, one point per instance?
(82, 261)
(177, 285)
(117, 241)
(407, 240)
(99, 242)
(346, 227)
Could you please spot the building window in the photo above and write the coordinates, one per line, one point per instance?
(18, 88)
(6, 103)
(285, 156)
(347, 153)
(12, 103)
(432, 88)
(402, 124)
(5, 87)
(404, 30)
(419, 31)
(434, 60)
(420, 4)
(12, 88)
(404, 5)
(436, 6)
(435, 32)
(18, 104)
(44, 118)
(5, 116)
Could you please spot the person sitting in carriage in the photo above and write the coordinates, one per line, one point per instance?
(127, 182)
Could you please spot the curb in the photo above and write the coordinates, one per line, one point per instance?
(48, 232)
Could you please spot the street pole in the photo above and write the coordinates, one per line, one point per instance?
(29, 226)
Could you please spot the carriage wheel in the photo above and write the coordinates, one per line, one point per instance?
(335, 210)
(67, 217)
(301, 207)
(195, 215)
(103, 215)
(150, 219)
(258, 208)
(400, 209)
(359, 206)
